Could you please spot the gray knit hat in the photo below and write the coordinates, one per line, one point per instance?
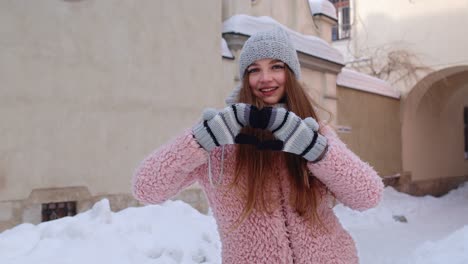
(270, 44)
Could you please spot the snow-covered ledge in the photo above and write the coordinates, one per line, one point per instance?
(322, 7)
(225, 52)
(310, 45)
(363, 82)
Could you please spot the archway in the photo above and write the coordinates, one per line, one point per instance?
(433, 131)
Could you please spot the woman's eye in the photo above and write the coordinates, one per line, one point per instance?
(277, 67)
(252, 70)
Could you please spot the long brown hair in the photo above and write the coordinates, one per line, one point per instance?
(256, 165)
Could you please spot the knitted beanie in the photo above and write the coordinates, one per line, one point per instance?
(270, 44)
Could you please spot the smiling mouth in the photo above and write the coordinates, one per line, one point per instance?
(268, 90)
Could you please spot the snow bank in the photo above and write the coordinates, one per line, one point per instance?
(171, 233)
(435, 231)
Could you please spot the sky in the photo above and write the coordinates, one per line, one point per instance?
(402, 229)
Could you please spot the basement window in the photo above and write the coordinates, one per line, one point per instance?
(466, 132)
(52, 211)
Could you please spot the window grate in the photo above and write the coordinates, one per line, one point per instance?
(52, 211)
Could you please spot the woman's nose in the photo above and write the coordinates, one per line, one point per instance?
(266, 76)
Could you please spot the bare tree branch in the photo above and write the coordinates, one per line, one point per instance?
(390, 64)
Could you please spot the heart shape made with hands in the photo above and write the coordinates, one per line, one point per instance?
(259, 119)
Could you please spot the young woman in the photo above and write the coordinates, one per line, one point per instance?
(270, 172)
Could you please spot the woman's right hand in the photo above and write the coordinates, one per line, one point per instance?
(221, 127)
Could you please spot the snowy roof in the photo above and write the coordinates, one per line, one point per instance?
(323, 7)
(311, 45)
(225, 52)
(363, 82)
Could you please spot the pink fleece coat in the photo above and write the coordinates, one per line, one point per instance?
(280, 237)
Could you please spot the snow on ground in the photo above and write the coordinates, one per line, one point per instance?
(171, 233)
(435, 228)
(402, 229)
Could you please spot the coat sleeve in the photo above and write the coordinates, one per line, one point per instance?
(169, 169)
(353, 182)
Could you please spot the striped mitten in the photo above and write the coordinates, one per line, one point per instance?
(299, 136)
(221, 127)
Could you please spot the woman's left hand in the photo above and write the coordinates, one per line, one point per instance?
(299, 136)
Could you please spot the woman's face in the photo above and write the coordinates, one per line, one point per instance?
(266, 79)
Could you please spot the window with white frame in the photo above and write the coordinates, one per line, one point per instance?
(343, 13)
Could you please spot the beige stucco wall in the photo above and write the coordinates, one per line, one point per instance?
(423, 26)
(90, 87)
(321, 86)
(375, 128)
(230, 75)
